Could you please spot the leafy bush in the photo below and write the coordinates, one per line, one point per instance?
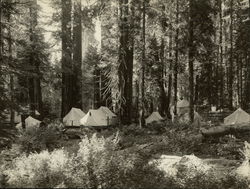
(98, 163)
(134, 130)
(38, 139)
(192, 172)
(38, 170)
(231, 180)
(156, 127)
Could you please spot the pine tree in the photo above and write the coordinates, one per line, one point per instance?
(66, 57)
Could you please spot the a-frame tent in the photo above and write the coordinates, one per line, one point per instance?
(73, 117)
(237, 117)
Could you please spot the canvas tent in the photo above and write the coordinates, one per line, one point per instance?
(37, 113)
(237, 117)
(112, 117)
(182, 107)
(31, 122)
(107, 111)
(73, 117)
(155, 116)
(95, 118)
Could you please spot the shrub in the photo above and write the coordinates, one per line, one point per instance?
(97, 164)
(231, 180)
(38, 170)
(38, 139)
(156, 127)
(192, 172)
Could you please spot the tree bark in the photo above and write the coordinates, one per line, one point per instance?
(197, 80)
(97, 94)
(176, 58)
(66, 57)
(142, 103)
(1, 31)
(125, 70)
(34, 83)
(12, 112)
(230, 86)
(191, 52)
(77, 55)
(166, 109)
(221, 57)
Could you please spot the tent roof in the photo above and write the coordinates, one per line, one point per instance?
(37, 113)
(155, 116)
(94, 118)
(73, 117)
(182, 104)
(237, 117)
(31, 122)
(107, 111)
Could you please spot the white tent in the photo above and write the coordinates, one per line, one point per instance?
(107, 111)
(182, 107)
(112, 117)
(155, 116)
(37, 113)
(31, 122)
(73, 117)
(95, 118)
(237, 117)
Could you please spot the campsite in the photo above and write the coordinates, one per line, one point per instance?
(131, 94)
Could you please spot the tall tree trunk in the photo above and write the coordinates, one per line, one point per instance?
(230, 82)
(106, 92)
(191, 53)
(170, 68)
(238, 79)
(221, 57)
(12, 112)
(77, 55)
(34, 84)
(125, 70)
(176, 58)
(247, 80)
(66, 56)
(196, 98)
(31, 59)
(130, 63)
(142, 103)
(1, 32)
(97, 94)
(241, 81)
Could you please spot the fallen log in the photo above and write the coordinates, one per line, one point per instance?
(225, 130)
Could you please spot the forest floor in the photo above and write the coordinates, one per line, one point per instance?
(223, 154)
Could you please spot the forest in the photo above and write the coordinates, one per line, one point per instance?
(125, 93)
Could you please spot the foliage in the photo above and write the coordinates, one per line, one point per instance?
(97, 164)
(38, 170)
(38, 139)
(100, 163)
